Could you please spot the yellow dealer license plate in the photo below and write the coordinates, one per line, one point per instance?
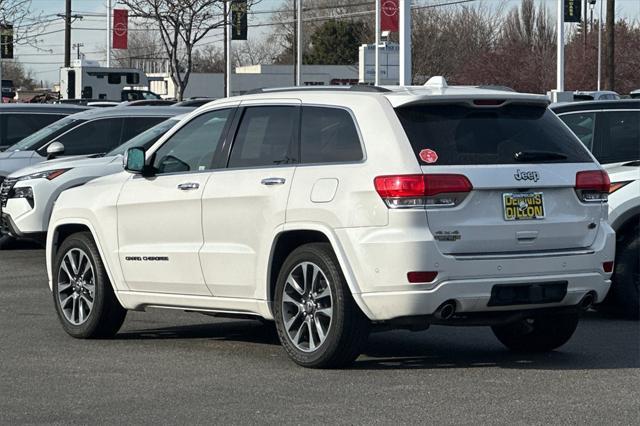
(523, 205)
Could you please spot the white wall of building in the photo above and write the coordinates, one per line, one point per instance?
(389, 63)
(254, 77)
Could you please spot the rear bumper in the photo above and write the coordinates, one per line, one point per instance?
(380, 258)
(473, 295)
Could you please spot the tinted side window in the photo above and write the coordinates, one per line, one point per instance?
(618, 135)
(265, 137)
(583, 125)
(328, 135)
(18, 126)
(98, 136)
(133, 126)
(193, 146)
(466, 135)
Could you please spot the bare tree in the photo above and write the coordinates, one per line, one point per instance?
(27, 26)
(182, 24)
(144, 51)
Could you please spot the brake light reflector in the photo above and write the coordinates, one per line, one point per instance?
(592, 185)
(608, 267)
(409, 191)
(421, 276)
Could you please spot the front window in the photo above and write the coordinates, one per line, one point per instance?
(145, 139)
(583, 125)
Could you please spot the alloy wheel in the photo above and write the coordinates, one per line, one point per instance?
(76, 286)
(307, 306)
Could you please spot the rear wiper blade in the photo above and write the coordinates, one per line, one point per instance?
(631, 163)
(524, 156)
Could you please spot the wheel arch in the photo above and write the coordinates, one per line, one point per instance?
(294, 236)
(626, 224)
(62, 230)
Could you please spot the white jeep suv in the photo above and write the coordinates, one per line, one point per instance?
(332, 210)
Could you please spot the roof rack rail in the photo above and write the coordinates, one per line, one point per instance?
(352, 88)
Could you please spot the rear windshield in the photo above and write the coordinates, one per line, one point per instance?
(44, 135)
(463, 135)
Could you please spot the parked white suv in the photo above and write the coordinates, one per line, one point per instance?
(330, 210)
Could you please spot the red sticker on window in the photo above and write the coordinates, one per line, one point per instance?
(429, 156)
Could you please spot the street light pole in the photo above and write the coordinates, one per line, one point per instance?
(405, 43)
(560, 59)
(299, 44)
(600, 46)
(376, 79)
(108, 33)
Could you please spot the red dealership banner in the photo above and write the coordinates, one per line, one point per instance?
(389, 15)
(120, 28)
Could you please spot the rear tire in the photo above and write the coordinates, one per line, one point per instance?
(82, 293)
(625, 289)
(318, 322)
(539, 334)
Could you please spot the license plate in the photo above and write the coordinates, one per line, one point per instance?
(523, 205)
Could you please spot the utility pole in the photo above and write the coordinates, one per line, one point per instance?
(610, 27)
(67, 33)
(584, 29)
(600, 47)
(78, 46)
(294, 43)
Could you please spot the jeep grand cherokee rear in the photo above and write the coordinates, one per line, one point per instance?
(332, 209)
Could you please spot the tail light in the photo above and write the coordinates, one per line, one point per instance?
(615, 186)
(419, 191)
(592, 185)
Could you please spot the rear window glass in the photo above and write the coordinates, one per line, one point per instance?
(463, 135)
(44, 135)
(328, 135)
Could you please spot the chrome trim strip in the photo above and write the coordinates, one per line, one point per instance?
(521, 255)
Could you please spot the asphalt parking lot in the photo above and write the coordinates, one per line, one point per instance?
(173, 367)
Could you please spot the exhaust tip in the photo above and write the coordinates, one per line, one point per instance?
(587, 301)
(446, 310)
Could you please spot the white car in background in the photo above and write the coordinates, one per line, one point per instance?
(27, 204)
(611, 130)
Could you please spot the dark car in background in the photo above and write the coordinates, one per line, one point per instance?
(95, 131)
(18, 121)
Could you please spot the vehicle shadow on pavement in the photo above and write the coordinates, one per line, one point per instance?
(8, 243)
(240, 331)
(600, 344)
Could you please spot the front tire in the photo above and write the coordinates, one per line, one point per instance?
(82, 294)
(539, 334)
(318, 323)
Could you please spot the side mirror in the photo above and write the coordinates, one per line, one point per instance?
(134, 160)
(54, 149)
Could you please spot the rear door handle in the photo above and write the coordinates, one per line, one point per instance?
(273, 181)
(188, 186)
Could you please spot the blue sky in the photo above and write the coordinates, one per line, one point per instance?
(90, 31)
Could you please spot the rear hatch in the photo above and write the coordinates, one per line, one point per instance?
(522, 164)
